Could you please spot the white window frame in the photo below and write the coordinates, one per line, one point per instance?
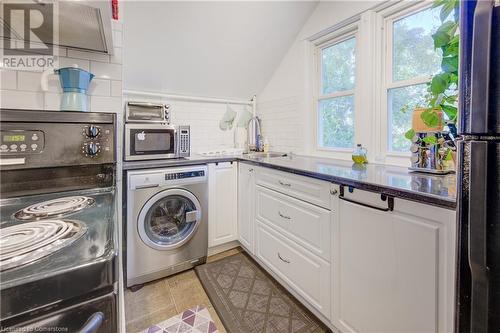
(336, 37)
(388, 17)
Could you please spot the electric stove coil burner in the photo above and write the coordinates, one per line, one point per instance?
(24, 243)
(54, 208)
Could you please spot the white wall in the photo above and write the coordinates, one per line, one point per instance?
(287, 94)
(217, 49)
(214, 49)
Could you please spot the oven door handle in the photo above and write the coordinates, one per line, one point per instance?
(93, 324)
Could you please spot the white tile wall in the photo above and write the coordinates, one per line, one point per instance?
(204, 121)
(22, 89)
(281, 123)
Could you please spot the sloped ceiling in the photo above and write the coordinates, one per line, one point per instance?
(217, 49)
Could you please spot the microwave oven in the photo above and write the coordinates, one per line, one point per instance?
(156, 141)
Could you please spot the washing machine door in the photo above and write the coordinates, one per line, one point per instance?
(169, 219)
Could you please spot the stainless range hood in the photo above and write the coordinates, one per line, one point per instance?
(84, 25)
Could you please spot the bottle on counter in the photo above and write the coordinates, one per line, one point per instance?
(266, 145)
(359, 155)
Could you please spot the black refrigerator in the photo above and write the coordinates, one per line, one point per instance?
(478, 269)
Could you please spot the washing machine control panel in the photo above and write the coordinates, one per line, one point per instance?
(182, 175)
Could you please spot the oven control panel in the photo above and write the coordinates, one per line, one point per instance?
(96, 139)
(32, 139)
(17, 142)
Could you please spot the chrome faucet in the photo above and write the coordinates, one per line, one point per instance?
(254, 140)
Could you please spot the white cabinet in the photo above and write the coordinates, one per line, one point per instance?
(222, 203)
(300, 221)
(246, 211)
(304, 188)
(393, 270)
(308, 275)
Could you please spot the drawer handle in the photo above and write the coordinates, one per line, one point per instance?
(284, 216)
(284, 184)
(390, 201)
(284, 260)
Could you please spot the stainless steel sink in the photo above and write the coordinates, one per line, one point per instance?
(264, 155)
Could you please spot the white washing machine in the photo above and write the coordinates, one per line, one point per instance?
(167, 214)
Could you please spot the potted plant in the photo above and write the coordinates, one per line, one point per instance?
(440, 107)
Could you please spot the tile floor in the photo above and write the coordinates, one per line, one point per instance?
(164, 298)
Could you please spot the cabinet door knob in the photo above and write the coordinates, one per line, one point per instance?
(284, 260)
(333, 192)
(284, 184)
(284, 216)
(250, 170)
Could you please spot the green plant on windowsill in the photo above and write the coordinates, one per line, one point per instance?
(442, 91)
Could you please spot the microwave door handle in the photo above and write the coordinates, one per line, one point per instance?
(480, 78)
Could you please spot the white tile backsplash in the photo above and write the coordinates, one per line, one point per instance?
(105, 104)
(203, 118)
(52, 101)
(106, 70)
(116, 88)
(88, 55)
(22, 89)
(8, 79)
(117, 38)
(100, 87)
(117, 56)
(69, 62)
(29, 81)
(17, 99)
(280, 124)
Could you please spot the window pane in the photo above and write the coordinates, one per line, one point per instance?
(336, 122)
(338, 67)
(413, 50)
(399, 120)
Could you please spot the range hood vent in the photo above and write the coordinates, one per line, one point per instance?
(84, 25)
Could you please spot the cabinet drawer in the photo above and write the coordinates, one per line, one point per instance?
(308, 189)
(305, 273)
(306, 224)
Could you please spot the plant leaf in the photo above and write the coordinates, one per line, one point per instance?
(450, 64)
(449, 156)
(430, 140)
(410, 134)
(450, 49)
(430, 117)
(450, 110)
(448, 27)
(439, 83)
(438, 3)
(448, 7)
(440, 38)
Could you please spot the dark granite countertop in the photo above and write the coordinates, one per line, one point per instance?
(193, 160)
(437, 190)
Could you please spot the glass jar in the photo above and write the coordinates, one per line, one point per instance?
(359, 155)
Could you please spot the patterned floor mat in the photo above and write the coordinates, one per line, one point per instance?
(196, 320)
